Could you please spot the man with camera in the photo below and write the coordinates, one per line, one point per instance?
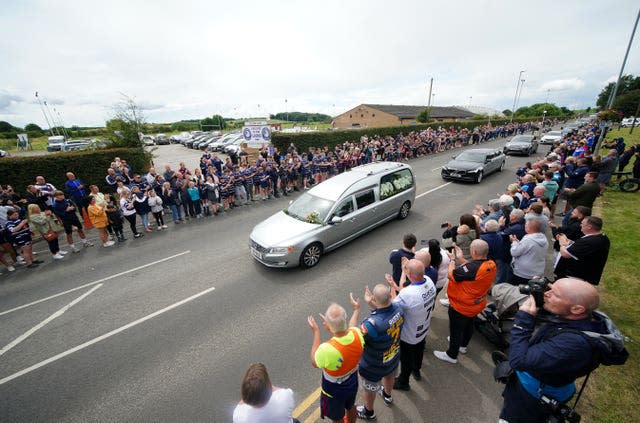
(546, 363)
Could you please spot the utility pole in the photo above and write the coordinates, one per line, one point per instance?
(515, 97)
(429, 100)
(45, 115)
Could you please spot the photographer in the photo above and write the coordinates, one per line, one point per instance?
(547, 363)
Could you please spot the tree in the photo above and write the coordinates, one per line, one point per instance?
(423, 116)
(507, 112)
(32, 127)
(627, 83)
(216, 121)
(627, 103)
(127, 124)
(6, 126)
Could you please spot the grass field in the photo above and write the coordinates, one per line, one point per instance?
(612, 393)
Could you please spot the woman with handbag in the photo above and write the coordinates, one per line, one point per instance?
(45, 223)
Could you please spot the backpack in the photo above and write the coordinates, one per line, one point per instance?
(608, 347)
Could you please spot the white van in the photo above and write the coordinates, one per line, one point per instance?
(55, 143)
(333, 213)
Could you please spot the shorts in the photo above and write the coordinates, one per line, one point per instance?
(374, 385)
(69, 224)
(335, 398)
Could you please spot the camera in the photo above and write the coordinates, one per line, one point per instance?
(560, 412)
(536, 287)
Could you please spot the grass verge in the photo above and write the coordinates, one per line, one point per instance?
(612, 394)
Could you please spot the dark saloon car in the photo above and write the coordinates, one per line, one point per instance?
(473, 165)
(522, 144)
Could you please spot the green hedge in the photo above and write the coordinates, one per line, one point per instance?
(330, 139)
(89, 165)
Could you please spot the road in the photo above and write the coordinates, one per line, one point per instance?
(162, 328)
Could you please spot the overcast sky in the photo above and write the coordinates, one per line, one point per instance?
(191, 59)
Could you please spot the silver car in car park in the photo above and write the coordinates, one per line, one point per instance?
(333, 213)
(473, 165)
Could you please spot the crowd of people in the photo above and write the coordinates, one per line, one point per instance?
(508, 242)
(140, 199)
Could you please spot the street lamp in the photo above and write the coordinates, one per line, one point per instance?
(515, 97)
(286, 110)
(544, 113)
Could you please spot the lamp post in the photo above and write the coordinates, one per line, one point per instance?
(544, 113)
(547, 100)
(286, 110)
(515, 97)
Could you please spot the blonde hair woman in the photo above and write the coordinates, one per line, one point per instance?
(99, 220)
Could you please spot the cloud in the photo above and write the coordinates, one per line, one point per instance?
(144, 105)
(7, 99)
(563, 84)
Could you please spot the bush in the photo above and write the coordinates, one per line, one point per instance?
(89, 165)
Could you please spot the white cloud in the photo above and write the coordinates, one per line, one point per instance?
(563, 84)
(195, 58)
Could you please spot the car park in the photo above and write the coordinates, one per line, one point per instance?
(551, 137)
(177, 139)
(473, 165)
(333, 213)
(147, 140)
(205, 140)
(521, 144)
(234, 145)
(189, 143)
(207, 143)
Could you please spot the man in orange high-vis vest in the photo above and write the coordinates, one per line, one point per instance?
(338, 358)
(467, 291)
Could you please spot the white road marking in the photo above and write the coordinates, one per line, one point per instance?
(47, 320)
(418, 196)
(93, 283)
(436, 168)
(102, 337)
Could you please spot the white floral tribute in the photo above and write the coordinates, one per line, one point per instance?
(400, 183)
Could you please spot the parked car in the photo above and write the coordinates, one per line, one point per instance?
(177, 139)
(473, 165)
(206, 144)
(223, 141)
(73, 145)
(551, 137)
(234, 145)
(521, 144)
(189, 143)
(148, 140)
(627, 122)
(162, 139)
(333, 213)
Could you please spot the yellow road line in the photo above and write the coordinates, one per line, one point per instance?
(306, 403)
(314, 416)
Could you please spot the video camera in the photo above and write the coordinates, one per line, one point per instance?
(536, 287)
(560, 412)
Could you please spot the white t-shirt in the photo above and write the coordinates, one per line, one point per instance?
(417, 301)
(443, 269)
(277, 410)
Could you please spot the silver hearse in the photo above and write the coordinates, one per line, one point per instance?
(333, 213)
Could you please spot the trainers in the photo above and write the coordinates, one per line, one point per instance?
(442, 355)
(88, 244)
(11, 269)
(444, 302)
(365, 414)
(62, 252)
(108, 244)
(138, 235)
(74, 249)
(461, 350)
(164, 226)
(387, 398)
(159, 228)
(58, 256)
(397, 386)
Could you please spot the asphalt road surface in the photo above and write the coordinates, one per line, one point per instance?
(161, 329)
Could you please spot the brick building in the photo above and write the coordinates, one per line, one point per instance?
(381, 115)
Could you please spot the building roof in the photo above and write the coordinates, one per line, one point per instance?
(410, 112)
